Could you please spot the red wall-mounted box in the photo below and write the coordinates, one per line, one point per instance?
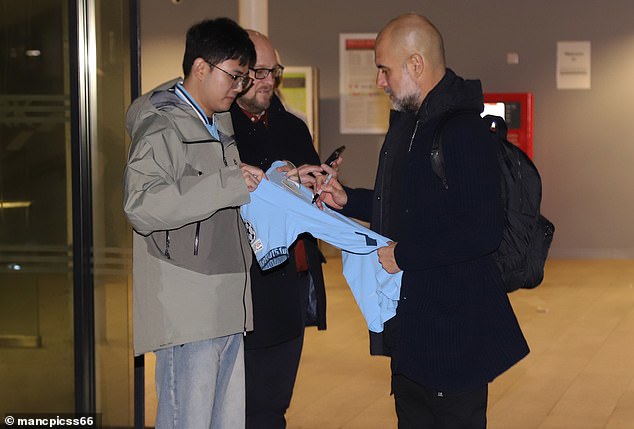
(518, 115)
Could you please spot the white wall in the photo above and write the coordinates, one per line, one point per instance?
(163, 28)
(583, 139)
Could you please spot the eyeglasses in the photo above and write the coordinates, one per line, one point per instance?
(243, 80)
(262, 73)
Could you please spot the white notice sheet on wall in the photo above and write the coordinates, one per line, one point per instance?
(364, 108)
(573, 65)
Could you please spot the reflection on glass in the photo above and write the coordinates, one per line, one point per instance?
(36, 327)
(111, 234)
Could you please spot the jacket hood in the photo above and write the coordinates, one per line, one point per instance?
(142, 106)
(452, 93)
(163, 98)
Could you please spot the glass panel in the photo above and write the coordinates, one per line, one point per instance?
(112, 236)
(36, 327)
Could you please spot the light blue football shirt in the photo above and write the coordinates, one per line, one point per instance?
(280, 210)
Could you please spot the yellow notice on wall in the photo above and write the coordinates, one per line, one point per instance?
(297, 91)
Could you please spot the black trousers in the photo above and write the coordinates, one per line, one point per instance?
(418, 407)
(270, 377)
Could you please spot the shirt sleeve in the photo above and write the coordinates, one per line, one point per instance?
(359, 204)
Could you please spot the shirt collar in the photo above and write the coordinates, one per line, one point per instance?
(255, 117)
(210, 123)
(182, 93)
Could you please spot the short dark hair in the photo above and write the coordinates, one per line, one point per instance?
(218, 40)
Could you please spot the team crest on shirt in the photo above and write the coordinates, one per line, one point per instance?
(256, 243)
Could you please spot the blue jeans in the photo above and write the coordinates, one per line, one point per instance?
(201, 385)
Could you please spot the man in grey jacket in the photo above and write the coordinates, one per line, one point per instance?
(184, 183)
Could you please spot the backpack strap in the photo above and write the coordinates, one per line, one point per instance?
(497, 125)
(436, 156)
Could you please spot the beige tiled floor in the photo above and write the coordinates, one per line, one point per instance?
(579, 375)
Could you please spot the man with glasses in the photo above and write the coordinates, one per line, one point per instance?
(184, 183)
(290, 296)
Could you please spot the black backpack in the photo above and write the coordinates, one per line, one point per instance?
(527, 234)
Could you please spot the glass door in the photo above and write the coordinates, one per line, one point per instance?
(36, 278)
(60, 353)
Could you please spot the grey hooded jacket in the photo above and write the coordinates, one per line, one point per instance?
(183, 189)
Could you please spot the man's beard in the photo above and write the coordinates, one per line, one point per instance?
(255, 105)
(409, 100)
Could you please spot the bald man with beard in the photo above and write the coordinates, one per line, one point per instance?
(288, 297)
(455, 330)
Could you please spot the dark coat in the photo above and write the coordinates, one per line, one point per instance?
(455, 328)
(280, 294)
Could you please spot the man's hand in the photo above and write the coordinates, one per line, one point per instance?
(386, 258)
(252, 176)
(331, 191)
(314, 177)
(308, 173)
